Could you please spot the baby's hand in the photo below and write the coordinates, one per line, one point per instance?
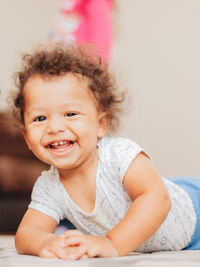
(79, 246)
(55, 247)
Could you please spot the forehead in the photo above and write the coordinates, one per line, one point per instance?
(69, 85)
(57, 80)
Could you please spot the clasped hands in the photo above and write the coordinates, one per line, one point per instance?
(74, 245)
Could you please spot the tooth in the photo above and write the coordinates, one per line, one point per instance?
(64, 142)
(55, 144)
(61, 143)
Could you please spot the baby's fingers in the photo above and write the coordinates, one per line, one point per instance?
(93, 252)
(46, 254)
(74, 241)
(56, 250)
(70, 233)
(76, 253)
(61, 253)
(84, 257)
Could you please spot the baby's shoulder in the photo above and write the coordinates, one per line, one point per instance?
(48, 178)
(115, 156)
(115, 152)
(116, 145)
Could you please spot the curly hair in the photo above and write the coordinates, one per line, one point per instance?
(60, 60)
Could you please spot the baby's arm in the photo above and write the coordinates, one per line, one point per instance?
(151, 204)
(35, 236)
(149, 209)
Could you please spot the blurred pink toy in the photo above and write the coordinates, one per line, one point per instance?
(85, 21)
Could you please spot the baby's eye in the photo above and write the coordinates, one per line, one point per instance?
(40, 118)
(70, 114)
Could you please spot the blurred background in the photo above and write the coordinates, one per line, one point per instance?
(153, 49)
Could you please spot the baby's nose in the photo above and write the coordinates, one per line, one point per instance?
(55, 126)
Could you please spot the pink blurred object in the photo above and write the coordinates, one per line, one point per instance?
(85, 21)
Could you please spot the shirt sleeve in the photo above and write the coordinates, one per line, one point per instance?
(124, 151)
(45, 198)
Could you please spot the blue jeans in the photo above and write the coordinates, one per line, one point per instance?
(191, 184)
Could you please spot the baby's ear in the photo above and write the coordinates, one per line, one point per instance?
(104, 122)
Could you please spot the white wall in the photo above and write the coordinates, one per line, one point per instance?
(23, 24)
(156, 54)
(158, 51)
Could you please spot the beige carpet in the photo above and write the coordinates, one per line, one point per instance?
(10, 258)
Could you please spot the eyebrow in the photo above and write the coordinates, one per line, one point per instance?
(69, 105)
(65, 105)
(34, 110)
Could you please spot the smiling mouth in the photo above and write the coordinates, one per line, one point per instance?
(60, 145)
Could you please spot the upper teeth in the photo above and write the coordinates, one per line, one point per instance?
(59, 143)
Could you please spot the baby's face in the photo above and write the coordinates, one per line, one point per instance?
(62, 123)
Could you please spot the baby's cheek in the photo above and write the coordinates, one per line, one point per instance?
(78, 127)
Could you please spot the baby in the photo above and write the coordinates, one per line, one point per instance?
(107, 187)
